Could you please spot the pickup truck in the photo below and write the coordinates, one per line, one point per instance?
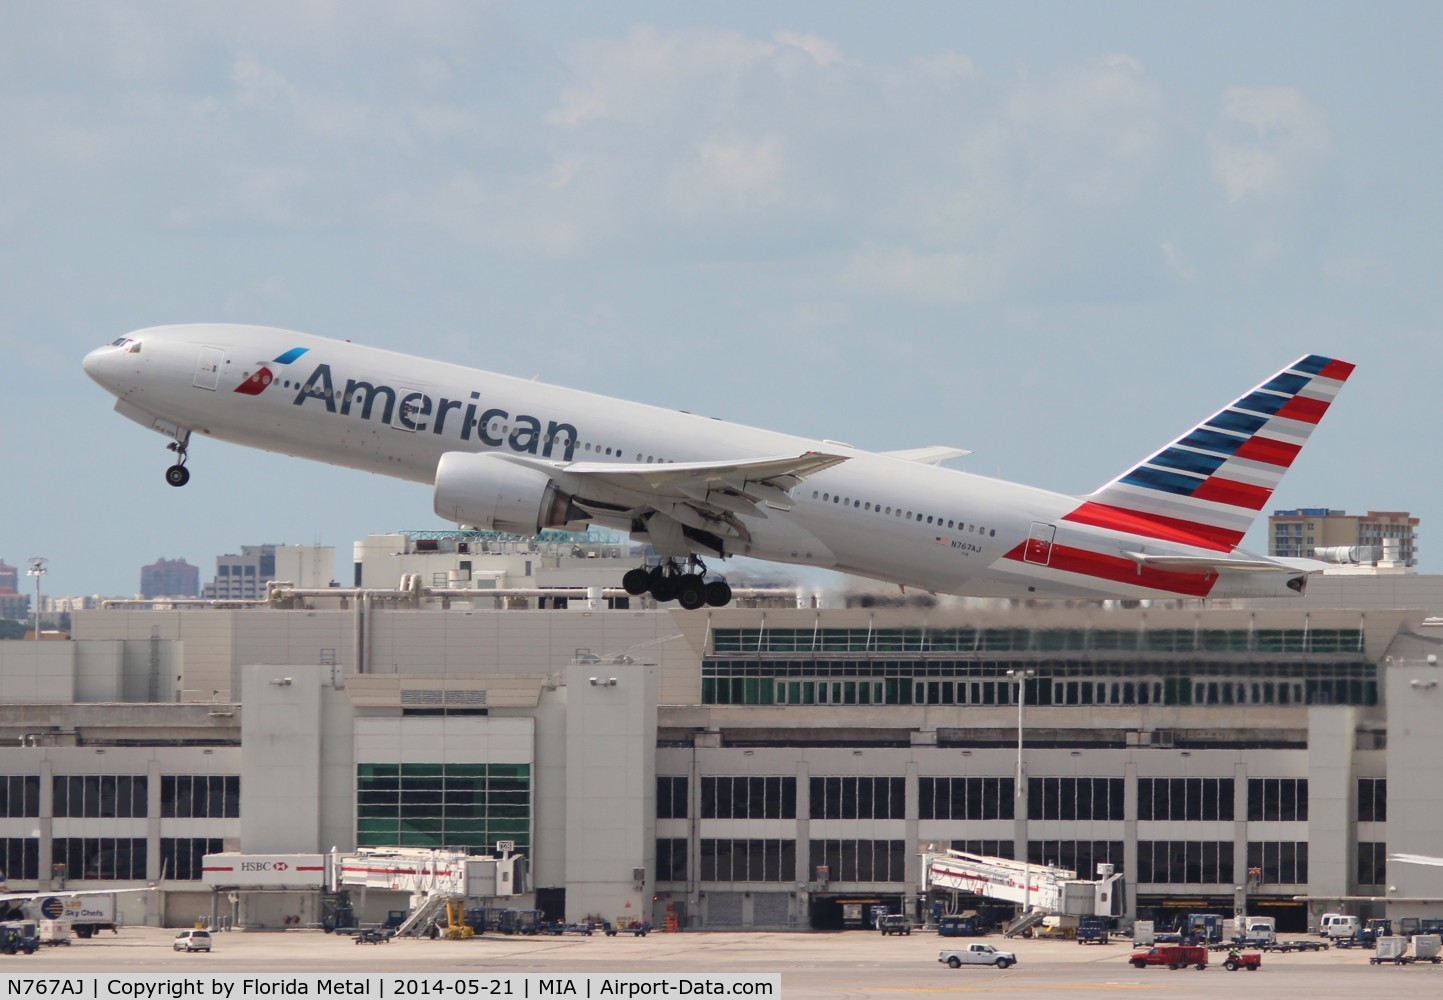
(1174, 956)
(976, 954)
(895, 923)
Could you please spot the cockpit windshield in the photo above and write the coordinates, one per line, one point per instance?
(131, 345)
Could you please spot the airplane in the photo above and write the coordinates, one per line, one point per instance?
(58, 904)
(518, 456)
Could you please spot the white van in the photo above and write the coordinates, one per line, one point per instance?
(1338, 925)
(192, 940)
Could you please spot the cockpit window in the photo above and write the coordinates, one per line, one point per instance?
(131, 346)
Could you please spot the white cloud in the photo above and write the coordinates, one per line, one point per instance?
(1268, 140)
(1355, 270)
(1177, 262)
(954, 277)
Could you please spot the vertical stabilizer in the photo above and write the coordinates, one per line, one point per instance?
(1207, 487)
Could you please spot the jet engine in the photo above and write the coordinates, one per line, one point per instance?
(486, 491)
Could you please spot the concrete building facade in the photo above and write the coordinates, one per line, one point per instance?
(739, 767)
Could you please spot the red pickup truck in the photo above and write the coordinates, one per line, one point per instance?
(1174, 956)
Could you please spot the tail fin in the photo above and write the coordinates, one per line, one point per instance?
(1206, 488)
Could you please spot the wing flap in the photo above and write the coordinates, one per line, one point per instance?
(715, 492)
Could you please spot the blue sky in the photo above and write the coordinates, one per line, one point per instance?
(1055, 234)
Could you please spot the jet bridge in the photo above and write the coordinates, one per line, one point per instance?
(1040, 890)
(431, 877)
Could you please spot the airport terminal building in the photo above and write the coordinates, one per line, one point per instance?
(744, 767)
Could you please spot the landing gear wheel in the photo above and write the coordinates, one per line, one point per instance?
(177, 475)
(636, 582)
(665, 588)
(718, 594)
(690, 592)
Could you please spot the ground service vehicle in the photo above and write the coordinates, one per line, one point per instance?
(958, 926)
(1260, 931)
(976, 954)
(1202, 928)
(1092, 930)
(1374, 929)
(1342, 928)
(192, 940)
(18, 936)
(895, 923)
(1236, 960)
(1174, 956)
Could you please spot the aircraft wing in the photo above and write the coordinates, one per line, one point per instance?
(716, 489)
(931, 455)
(10, 897)
(1417, 859)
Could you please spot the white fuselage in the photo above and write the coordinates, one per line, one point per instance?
(875, 515)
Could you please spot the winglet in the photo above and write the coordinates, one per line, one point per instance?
(1207, 487)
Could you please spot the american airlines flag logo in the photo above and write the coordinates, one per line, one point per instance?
(256, 382)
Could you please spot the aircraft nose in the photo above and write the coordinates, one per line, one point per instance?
(100, 362)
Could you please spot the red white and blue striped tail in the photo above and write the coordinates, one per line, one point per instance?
(1207, 487)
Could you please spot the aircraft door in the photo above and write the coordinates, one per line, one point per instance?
(1038, 549)
(207, 368)
(412, 408)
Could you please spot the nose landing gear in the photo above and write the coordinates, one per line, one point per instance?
(669, 582)
(178, 474)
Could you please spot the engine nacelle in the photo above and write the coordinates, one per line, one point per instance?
(484, 491)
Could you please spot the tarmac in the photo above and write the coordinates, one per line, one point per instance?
(857, 965)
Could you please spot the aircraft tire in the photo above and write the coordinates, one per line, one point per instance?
(177, 475)
(691, 592)
(665, 589)
(718, 594)
(636, 582)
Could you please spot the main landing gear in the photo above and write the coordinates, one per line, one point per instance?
(669, 582)
(177, 474)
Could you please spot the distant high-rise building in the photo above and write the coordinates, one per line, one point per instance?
(244, 577)
(13, 604)
(170, 578)
(1299, 533)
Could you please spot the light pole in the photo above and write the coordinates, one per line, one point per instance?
(37, 569)
(1021, 791)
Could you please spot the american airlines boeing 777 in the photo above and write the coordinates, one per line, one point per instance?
(517, 456)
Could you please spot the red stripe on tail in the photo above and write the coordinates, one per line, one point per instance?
(1232, 493)
(1304, 408)
(1262, 449)
(1167, 529)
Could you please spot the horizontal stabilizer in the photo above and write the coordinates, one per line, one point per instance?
(1202, 564)
(934, 454)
